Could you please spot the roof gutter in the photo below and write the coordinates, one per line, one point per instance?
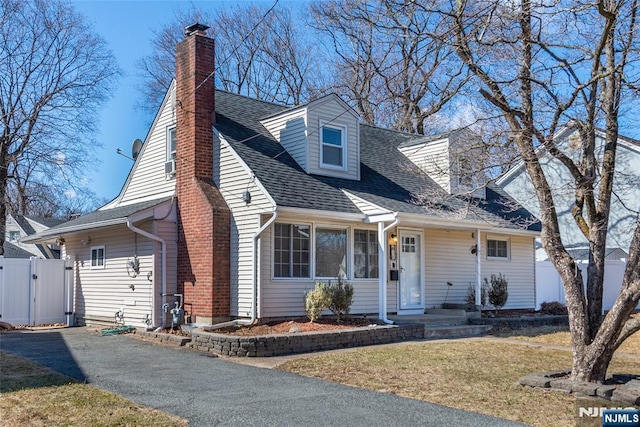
(54, 232)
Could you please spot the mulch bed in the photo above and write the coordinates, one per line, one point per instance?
(296, 326)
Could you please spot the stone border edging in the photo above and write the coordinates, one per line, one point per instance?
(303, 342)
(521, 322)
(626, 394)
(177, 340)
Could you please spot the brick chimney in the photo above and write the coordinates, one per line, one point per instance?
(203, 216)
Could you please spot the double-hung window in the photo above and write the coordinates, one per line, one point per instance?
(332, 146)
(498, 248)
(291, 250)
(365, 254)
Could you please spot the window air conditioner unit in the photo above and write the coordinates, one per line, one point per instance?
(170, 167)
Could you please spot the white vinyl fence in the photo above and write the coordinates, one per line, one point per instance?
(549, 285)
(36, 291)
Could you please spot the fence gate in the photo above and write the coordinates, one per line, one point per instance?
(35, 291)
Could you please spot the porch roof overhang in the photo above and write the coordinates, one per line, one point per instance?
(407, 220)
(103, 218)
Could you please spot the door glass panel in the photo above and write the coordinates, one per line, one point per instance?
(411, 278)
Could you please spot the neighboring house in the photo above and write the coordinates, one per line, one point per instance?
(19, 227)
(241, 205)
(625, 203)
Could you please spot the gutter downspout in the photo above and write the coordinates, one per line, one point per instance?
(163, 244)
(382, 277)
(254, 287)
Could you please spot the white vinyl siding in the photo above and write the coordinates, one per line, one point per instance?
(433, 159)
(233, 178)
(148, 178)
(290, 129)
(327, 113)
(448, 258)
(285, 297)
(102, 292)
(168, 231)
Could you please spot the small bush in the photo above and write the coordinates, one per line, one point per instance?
(341, 297)
(471, 295)
(497, 290)
(316, 300)
(553, 307)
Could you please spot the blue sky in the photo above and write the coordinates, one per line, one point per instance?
(128, 27)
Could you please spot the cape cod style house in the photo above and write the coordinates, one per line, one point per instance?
(240, 206)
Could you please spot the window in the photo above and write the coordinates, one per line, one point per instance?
(170, 164)
(291, 250)
(97, 257)
(332, 146)
(408, 244)
(497, 248)
(171, 144)
(365, 254)
(331, 252)
(14, 236)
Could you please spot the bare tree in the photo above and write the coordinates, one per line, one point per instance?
(259, 52)
(542, 65)
(55, 74)
(394, 67)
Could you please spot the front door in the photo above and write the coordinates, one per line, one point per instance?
(411, 295)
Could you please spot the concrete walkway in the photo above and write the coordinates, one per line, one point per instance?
(210, 391)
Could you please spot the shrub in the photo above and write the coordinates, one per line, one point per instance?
(553, 307)
(341, 297)
(316, 300)
(497, 291)
(471, 295)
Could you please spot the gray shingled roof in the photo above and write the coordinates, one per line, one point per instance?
(101, 218)
(388, 178)
(13, 251)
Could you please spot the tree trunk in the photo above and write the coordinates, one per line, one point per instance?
(3, 192)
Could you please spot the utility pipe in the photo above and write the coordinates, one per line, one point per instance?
(163, 243)
(382, 263)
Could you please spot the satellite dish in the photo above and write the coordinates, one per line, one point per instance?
(135, 149)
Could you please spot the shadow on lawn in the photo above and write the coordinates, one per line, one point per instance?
(46, 348)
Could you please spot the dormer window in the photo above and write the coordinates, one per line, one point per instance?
(333, 146)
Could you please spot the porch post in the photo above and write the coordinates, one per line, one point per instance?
(382, 271)
(478, 269)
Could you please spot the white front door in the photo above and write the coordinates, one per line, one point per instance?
(411, 295)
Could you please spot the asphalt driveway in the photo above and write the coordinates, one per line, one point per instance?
(210, 391)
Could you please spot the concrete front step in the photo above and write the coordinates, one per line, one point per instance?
(430, 319)
(440, 332)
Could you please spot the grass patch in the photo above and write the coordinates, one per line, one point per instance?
(479, 376)
(559, 335)
(33, 395)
